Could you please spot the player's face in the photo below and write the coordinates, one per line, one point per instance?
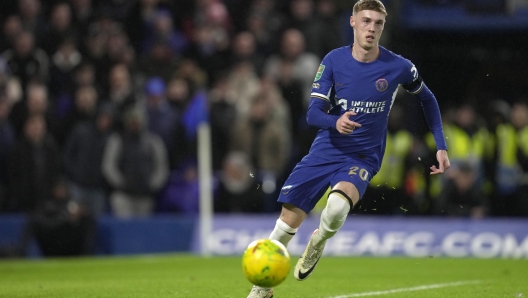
(368, 26)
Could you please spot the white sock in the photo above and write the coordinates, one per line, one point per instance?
(332, 218)
(282, 232)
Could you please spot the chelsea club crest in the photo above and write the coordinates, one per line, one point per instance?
(382, 85)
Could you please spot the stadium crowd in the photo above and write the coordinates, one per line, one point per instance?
(101, 101)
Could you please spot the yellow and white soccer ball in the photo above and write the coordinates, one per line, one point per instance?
(266, 263)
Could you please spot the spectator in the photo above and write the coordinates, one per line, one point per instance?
(32, 16)
(244, 50)
(302, 18)
(328, 20)
(386, 192)
(210, 48)
(266, 142)
(222, 119)
(60, 226)
(191, 105)
(292, 90)
(61, 28)
(208, 13)
(279, 107)
(121, 92)
(162, 30)
(243, 84)
(25, 61)
(118, 50)
(135, 165)
(210, 29)
(163, 120)
(304, 64)
(83, 156)
(188, 69)
(84, 76)
(12, 27)
(34, 166)
(462, 196)
(238, 190)
(140, 14)
(96, 46)
(36, 103)
(468, 141)
(263, 140)
(468, 128)
(7, 141)
(64, 63)
(159, 61)
(178, 148)
(85, 110)
(83, 14)
(93, 46)
(505, 166)
(519, 116)
(264, 22)
(181, 194)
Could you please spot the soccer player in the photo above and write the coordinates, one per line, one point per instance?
(351, 98)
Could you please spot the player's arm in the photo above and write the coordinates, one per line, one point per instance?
(432, 114)
(317, 116)
(320, 102)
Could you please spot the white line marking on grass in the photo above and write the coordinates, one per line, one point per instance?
(411, 289)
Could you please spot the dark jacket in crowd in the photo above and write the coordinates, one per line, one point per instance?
(135, 163)
(83, 155)
(33, 171)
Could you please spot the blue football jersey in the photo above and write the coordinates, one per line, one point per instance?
(369, 89)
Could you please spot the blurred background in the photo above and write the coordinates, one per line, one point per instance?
(100, 103)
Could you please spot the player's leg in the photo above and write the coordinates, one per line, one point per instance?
(286, 226)
(340, 200)
(349, 184)
(300, 193)
(288, 223)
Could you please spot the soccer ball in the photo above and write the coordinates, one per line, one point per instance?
(266, 263)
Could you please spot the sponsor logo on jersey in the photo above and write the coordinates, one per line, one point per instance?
(382, 85)
(319, 73)
(367, 107)
(316, 85)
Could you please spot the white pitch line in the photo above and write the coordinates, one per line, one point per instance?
(411, 289)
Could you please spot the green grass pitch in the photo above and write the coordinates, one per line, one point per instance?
(191, 276)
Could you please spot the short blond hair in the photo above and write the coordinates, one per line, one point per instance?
(374, 5)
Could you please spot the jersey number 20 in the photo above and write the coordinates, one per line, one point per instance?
(363, 174)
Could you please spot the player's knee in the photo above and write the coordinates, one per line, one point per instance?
(348, 190)
(338, 205)
(292, 215)
(335, 214)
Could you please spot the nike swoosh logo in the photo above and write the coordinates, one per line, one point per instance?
(305, 274)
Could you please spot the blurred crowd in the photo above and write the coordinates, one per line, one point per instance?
(101, 101)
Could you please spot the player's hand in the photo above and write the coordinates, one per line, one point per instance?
(443, 162)
(346, 126)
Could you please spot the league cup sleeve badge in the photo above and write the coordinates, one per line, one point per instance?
(319, 73)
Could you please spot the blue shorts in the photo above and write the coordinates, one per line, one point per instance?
(312, 176)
